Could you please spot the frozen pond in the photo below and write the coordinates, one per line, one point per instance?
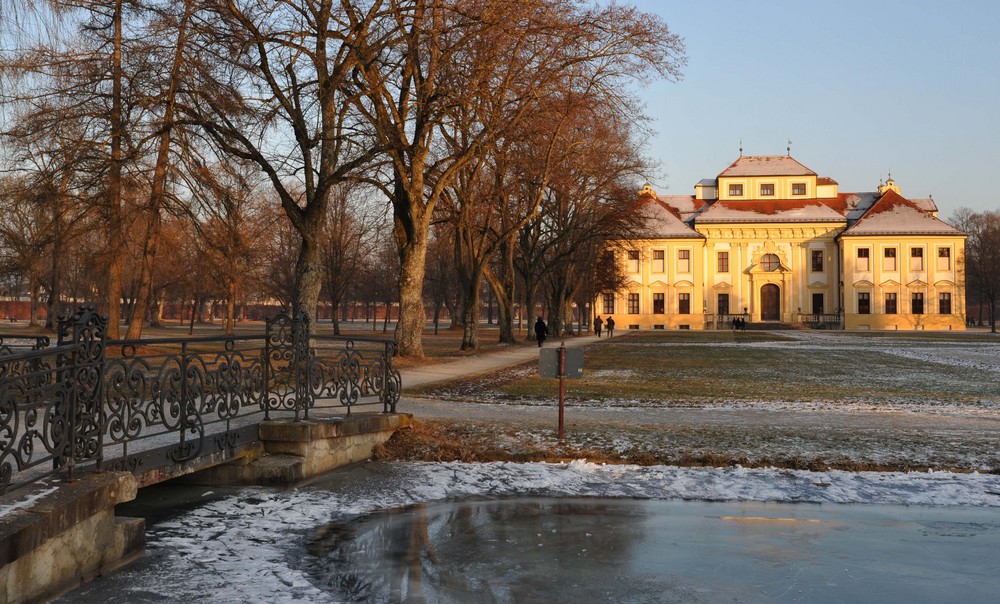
(614, 550)
(576, 532)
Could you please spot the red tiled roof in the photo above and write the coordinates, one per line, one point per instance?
(894, 214)
(766, 165)
(825, 180)
(777, 210)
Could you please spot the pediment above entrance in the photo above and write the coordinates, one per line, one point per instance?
(723, 285)
(757, 269)
(817, 285)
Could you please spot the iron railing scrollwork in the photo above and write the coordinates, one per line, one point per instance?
(137, 405)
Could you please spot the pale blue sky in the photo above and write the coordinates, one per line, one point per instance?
(860, 88)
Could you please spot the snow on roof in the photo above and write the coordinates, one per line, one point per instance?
(778, 210)
(684, 205)
(893, 214)
(662, 221)
(708, 182)
(766, 165)
(853, 205)
(926, 204)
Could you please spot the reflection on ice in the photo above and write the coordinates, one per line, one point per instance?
(576, 550)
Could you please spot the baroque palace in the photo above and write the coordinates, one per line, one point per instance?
(769, 241)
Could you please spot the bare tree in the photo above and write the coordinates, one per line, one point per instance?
(157, 191)
(589, 201)
(229, 216)
(74, 67)
(348, 239)
(418, 60)
(272, 91)
(982, 257)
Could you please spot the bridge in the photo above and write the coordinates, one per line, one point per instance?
(86, 422)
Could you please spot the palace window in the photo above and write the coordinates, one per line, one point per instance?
(917, 259)
(723, 262)
(767, 190)
(798, 188)
(683, 261)
(889, 259)
(633, 261)
(633, 304)
(658, 264)
(944, 303)
(769, 262)
(736, 190)
(684, 304)
(658, 304)
(723, 304)
(609, 304)
(864, 303)
(944, 259)
(917, 304)
(862, 263)
(890, 304)
(817, 261)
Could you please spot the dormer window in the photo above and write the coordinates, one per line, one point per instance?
(798, 188)
(767, 190)
(736, 190)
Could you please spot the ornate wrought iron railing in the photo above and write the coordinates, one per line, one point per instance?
(824, 319)
(144, 404)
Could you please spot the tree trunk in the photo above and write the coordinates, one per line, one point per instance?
(33, 310)
(308, 275)
(502, 286)
(231, 308)
(412, 256)
(115, 224)
(470, 332)
(993, 315)
(54, 305)
(157, 319)
(157, 191)
(530, 291)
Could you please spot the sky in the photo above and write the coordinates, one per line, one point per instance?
(862, 88)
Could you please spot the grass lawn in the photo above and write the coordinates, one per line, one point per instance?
(692, 369)
(806, 400)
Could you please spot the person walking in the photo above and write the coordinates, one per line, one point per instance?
(598, 323)
(610, 324)
(540, 331)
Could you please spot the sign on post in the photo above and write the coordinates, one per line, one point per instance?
(548, 363)
(561, 363)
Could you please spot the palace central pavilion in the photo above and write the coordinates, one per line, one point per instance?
(769, 241)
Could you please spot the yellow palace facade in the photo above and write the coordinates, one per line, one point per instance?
(769, 241)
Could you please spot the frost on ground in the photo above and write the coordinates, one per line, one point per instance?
(251, 546)
(813, 400)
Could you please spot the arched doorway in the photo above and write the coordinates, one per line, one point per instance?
(770, 303)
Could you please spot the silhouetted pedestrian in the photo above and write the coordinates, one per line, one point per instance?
(610, 324)
(540, 331)
(598, 323)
